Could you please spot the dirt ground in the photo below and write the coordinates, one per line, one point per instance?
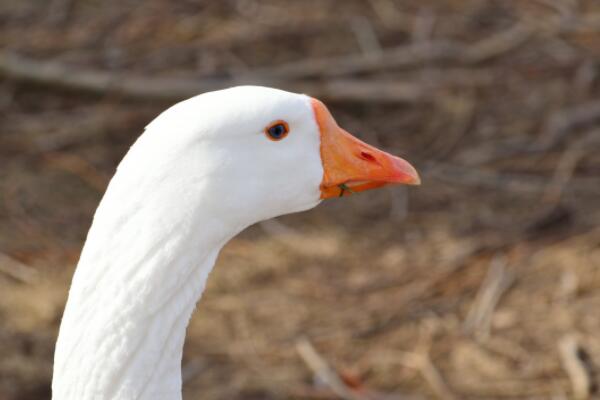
(483, 283)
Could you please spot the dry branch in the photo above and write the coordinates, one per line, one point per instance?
(56, 75)
(498, 44)
(496, 282)
(576, 369)
(410, 55)
(16, 269)
(191, 370)
(322, 370)
(422, 362)
(524, 184)
(394, 58)
(565, 168)
(365, 36)
(563, 122)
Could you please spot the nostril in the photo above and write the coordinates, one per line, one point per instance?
(367, 156)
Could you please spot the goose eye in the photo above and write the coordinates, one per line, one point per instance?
(277, 130)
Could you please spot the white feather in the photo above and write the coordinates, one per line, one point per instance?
(200, 173)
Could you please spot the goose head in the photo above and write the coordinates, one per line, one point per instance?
(201, 172)
(255, 153)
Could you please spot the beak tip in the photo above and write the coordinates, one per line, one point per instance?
(416, 178)
(409, 174)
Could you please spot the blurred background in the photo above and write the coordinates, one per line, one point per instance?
(482, 283)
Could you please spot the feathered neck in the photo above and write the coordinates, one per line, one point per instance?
(148, 254)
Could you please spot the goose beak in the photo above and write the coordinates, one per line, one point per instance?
(350, 165)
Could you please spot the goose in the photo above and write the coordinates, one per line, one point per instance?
(200, 173)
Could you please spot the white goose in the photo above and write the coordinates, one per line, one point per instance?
(202, 171)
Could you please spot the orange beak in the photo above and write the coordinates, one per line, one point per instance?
(350, 165)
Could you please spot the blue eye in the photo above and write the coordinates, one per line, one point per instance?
(277, 130)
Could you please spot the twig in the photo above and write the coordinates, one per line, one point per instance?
(566, 168)
(496, 282)
(47, 134)
(498, 44)
(324, 372)
(366, 36)
(393, 58)
(403, 56)
(96, 82)
(423, 26)
(561, 123)
(556, 127)
(569, 285)
(525, 184)
(422, 362)
(16, 269)
(191, 370)
(575, 367)
(326, 394)
(588, 23)
(584, 78)
(390, 15)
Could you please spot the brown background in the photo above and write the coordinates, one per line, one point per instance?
(482, 283)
